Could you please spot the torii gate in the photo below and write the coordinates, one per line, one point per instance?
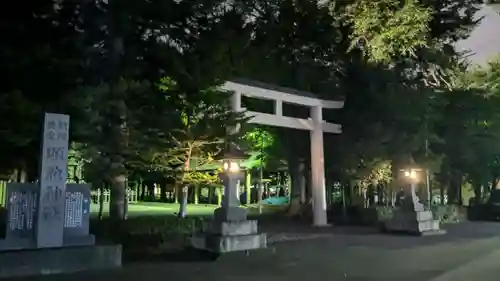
(315, 124)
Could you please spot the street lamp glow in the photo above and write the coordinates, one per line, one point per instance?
(412, 174)
(231, 166)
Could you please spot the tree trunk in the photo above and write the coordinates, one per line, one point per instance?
(183, 204)
(297, 186)
(444, 180)
(494, 183)
(196, 193)
(441, 193)
(248, 187)
(477, 192)
(101, 200)
(116, 118)
(211, 191)
(176, 193)
(454, 188)
(23, 175)
(218, 190)
(118, 198)
(143, 188)
(163, 190)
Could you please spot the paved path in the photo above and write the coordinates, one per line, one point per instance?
(344, 254)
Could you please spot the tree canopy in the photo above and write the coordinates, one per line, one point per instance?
(141, 80)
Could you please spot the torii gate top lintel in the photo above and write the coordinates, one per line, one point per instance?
(278, 95)
(260, 90)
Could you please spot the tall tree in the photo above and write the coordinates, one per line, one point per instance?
(138, 42)
(37, 69)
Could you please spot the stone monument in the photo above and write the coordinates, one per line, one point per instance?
(412, 217)
(50, 217)
(22, 213)
(230, 229)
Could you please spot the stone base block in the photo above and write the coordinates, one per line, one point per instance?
(424, 216)
(59, 260)
(229, 243)
(74, 241)
(233, 228)
(11, 244)
(230, 214)
(413, 222)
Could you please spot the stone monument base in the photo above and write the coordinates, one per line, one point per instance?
(417, 222)
(230, 236)
(59, 260)
(13, 244)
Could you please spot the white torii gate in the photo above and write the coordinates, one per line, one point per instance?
(316, 125)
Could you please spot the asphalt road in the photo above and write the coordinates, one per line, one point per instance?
(469, 251)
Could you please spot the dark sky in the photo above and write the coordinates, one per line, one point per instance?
(484, 42)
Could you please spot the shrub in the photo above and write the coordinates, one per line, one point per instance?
(3, 221)
(355, 215)
(147, 233)
(449, 213)
(3, 214)
(373, 216)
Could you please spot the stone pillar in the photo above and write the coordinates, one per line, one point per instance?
(318, 169)
(236, 107)
(278, 108)
(52, 185)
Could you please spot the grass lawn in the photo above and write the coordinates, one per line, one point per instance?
(162, 209)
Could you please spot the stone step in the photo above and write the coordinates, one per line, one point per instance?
(233, 228)
(59, 260)
(229, 243)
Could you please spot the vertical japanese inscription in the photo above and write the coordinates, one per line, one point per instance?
(53, 173)
(21, 207)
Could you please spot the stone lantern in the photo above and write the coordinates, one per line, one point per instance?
(412, 217)
(230, 229)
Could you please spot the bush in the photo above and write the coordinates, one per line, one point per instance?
(444, 213)
(351, 215)
(449, 213)
(147, 233)
(3, 214)
(3, 221)
(373, 216)
(355, 215)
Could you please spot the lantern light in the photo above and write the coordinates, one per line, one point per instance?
(412, 174)
(231, 166)
(231, 158)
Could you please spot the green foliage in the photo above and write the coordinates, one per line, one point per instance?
(449, 214)
(389, 29)
(197, 131)
(471, 124)
(260, 141)
(95, 125)
(148, 233)
(139, 79)
(297, 44)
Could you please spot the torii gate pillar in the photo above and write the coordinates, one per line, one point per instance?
(318, 168)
